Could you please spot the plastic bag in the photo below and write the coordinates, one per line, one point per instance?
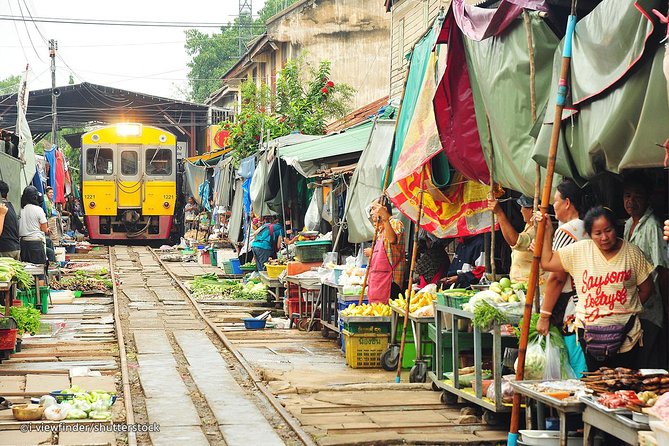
(553, 363)
(535, 360)
(312, 219)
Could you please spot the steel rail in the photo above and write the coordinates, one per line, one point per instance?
(288, 418)
(127, 398)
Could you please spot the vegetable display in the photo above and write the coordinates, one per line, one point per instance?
(418, 300)
(367, 310)
(77, 404)
(83, 282)
(27, 319)
(11, 269)
(485, 315)
(211, 287)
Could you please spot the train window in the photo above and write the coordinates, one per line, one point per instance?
(158, 162)
(99, 161)
(129, 162)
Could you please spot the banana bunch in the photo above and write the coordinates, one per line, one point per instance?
(418, 301)
(367, 310)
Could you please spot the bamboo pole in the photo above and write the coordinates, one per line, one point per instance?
(414, 253)
(545, 201)
(533, 115)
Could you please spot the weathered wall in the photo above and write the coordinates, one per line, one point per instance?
(354, 35)
(410, 21)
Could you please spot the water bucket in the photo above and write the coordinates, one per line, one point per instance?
(236, 266)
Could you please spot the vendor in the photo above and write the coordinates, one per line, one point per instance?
(267, 240)
(433, 263)
(9, 226)
(466, 268)
(33, 227)
(645, 231)
(521, 254)
(560, 298)
(613, 280)
(190, 213)
(388, 261)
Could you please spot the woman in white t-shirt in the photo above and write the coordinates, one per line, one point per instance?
(33, 227)
(612, 279)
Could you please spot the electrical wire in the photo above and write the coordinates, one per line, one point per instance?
(18, 35)
(142, 23)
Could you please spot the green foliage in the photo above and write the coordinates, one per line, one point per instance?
(213, 55)
(10, 84)
(305, 99)
(27, 319)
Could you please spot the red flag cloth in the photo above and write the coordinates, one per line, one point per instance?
(59, 190)
(454, 109)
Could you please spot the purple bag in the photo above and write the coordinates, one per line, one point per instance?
(604, 341)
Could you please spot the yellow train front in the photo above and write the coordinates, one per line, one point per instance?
(128, 182)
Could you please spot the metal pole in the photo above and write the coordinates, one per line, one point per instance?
(53, 46)
(545, 201)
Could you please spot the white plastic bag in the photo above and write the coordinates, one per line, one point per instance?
(312, 218)
(553, 364)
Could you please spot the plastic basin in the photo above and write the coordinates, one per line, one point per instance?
(254, 324)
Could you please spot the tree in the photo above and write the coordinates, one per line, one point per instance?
(213, 55)
(305, 99)
(10, 85)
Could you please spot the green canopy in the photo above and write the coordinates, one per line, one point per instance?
(302, 155)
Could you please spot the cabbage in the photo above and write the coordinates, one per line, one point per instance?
(82, 405)
(56, 412)
(47, 401)
(100, 415)
(76, 414)
(101, 405)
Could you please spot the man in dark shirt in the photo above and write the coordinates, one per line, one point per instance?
(9, 234)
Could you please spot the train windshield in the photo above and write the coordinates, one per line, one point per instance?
(129, 162)
(158, 162)
(99, 161)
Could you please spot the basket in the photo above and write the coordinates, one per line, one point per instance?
(273, 271)
(453, 298)
(312, 251)
(248, 268)
(226, 265)
(363, 350)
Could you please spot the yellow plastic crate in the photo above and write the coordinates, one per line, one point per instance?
(363, 350)
(273, 271)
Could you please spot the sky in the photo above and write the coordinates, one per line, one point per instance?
(149, 60)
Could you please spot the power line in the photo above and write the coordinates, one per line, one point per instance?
(146, 23)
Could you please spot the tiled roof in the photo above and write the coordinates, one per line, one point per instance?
(357, 116)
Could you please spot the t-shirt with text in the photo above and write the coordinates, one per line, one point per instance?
(607, 289)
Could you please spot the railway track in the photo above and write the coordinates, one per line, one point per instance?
(182, 371)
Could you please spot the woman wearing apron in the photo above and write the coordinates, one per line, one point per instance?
(33, 227)
(386, 271)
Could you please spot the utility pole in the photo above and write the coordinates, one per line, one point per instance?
(244, 24)
(53, 46)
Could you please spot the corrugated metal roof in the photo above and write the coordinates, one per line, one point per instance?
(349, 141)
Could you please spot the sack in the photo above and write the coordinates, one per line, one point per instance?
(604, 341)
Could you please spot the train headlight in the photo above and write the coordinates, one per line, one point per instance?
(91, 204)
(127, 129)
(166, 205)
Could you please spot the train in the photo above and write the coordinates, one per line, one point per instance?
(129, 182)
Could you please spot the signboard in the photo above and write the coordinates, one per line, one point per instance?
(182, 150)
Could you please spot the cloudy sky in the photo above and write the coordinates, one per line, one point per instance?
(143, 59)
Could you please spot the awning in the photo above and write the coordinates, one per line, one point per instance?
(210, 158)
(303, 156)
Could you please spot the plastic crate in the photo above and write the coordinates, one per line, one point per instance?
(226, 266)
(312, 251)
(367, 327)
(273, 271)
(27, 298)
(453, 299)
(363, 350)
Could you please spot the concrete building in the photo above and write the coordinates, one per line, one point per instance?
(354, 35)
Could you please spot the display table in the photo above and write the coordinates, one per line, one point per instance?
(329, 307)
(453, 387)
(562, 407)
(272, 284)
(615, 424)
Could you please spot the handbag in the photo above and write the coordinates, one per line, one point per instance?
(604, 341)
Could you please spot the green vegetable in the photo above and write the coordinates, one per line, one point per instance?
(100, 415)
(14, 270)
(76, 414)
(485, 315)
(211, 287)
(27, 319)
(505, 283)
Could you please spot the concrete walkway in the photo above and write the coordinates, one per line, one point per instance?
(158, 314)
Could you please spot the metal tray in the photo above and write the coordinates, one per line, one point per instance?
(590, 401)
(349, 319)
(565, 406)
